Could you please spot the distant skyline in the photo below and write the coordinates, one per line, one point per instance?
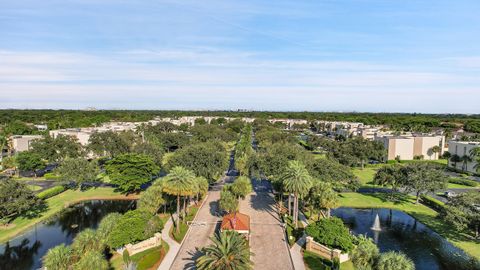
(319, 55)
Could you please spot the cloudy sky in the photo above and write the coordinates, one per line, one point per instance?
(318, 55)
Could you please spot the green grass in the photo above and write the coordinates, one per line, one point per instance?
(183, 225)
(53, 206)
(421, 212)
(366, 175)
(292, 233)
(315, 262)
(146, 259)
(34, 188)
(453, 185)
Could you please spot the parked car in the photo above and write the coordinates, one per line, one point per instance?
(450, 194)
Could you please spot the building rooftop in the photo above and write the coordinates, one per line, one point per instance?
(236, 221)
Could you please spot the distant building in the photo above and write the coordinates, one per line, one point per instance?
(20, 143)
(82, 135)
(461, 149)
(41, 127)
(409, 147)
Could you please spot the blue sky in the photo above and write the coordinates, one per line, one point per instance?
(319, 55)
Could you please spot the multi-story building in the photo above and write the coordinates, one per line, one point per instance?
(408, 147)
(462, 149)
(20, 143)
(81, 134)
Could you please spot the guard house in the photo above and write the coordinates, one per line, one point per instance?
(237, 222)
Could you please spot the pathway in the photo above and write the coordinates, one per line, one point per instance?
(267, 239)
(296, 249)
(174, 246)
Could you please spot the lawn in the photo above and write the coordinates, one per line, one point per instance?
(453, 185)
(148, 259)
(366, 175)
(34, 188)
(55, 205)
(183, 225)
(315, 262)
(421, 212)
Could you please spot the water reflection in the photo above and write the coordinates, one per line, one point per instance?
(401, 232)
(25, 252)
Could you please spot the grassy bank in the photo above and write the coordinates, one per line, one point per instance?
(53, 206)
(148, 259)
(421, 212)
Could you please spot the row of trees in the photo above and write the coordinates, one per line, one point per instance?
(232, 193)
(244, 150)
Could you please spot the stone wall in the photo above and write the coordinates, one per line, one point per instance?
(325, 252)
(154, 241)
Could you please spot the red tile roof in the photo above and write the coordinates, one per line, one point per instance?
(236, 221)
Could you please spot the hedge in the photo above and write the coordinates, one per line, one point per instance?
(463, 181)
(51, 192)
(51, 176)
(433, 203)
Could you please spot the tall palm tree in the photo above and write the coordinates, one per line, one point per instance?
(465, 160)
(455, 159)
(202, 186)
(229, 251)
(179, 182)
(298, 181)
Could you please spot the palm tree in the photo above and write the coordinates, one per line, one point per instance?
(394, 261)
(298, 181)
(475, 155)
(455, 159)
(365, 254)
(228, 201)
(436, 149)
(465, 160)
(202, 186)
(323, 197)
(87, 240)
(229, 250)
(59, 257)
(179, 182)
(92, 260)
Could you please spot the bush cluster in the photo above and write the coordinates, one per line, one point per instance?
(48, 193)
(331, 232)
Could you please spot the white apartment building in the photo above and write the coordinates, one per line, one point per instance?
(409, 147)
(81, 134)
(20, 143)
(462, 149)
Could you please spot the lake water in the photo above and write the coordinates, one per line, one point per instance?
(26, 251)
(401, 232)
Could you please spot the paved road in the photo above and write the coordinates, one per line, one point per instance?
(267, 239)
(199, 235)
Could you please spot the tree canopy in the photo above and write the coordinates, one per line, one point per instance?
(131, 171)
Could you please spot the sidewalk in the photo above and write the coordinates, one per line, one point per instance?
(296, 249)
(174, 246)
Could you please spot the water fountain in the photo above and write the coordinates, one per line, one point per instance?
(376, 224)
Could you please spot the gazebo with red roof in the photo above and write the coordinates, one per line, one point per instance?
(236, 222)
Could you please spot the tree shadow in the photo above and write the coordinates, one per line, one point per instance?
(263, 202)
(396, 198)
(194, 256)
(35, 211)
(214, 208)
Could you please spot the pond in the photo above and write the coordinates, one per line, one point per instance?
(26, 251)
(401, 232)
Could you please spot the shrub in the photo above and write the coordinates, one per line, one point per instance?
(51, 176)
(394, 261)
(462, 181)
(48, 193)
(332, 233)
(132, 227)
(365, 254)
(433, 203)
